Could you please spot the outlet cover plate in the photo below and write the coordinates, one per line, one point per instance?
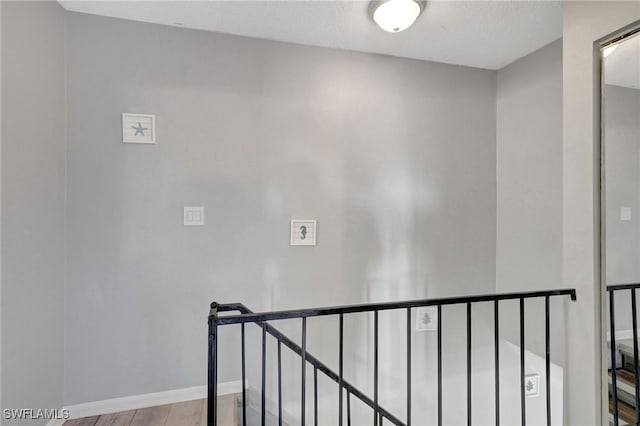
(193, 216)
(625, 214)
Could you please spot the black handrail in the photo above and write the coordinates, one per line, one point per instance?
(379, 413)
(612, 289)
(371, 307)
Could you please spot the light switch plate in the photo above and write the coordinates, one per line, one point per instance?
(303, 232)
(625, 214)
(427, 318)
(531, 385)
(194, 216)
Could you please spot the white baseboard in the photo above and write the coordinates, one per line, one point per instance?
(135, 402)
(621, 335)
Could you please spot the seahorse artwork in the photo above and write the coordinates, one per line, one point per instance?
(303, 232)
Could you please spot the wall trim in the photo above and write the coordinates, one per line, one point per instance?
(133, 402)
(621, 335)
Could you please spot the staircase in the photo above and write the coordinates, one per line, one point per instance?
(348, 393)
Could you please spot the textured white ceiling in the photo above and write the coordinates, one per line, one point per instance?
(622, 66)
(484, 34)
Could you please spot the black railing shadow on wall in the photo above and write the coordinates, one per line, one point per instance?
(379, 413)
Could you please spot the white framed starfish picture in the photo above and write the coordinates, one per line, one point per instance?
(138, 128)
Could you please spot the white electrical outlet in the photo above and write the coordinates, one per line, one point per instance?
(193, 216)
(427, 318)
(531, 385)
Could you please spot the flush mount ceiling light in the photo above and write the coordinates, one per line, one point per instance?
(395, 15)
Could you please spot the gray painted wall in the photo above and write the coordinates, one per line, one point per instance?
(583, 23)
(529, 189)
(395, 159)
(33, 181)
(529, 172)
(622, 189)
(529, 206)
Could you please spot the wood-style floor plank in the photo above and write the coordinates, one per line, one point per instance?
(152, 416)
(84, 421)
(122, 418)
(203, 418)
(626, 413)
(227, 410)
(187, 413)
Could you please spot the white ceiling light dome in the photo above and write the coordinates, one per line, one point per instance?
(395, 15)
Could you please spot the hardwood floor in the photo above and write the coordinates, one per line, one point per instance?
(189, 413)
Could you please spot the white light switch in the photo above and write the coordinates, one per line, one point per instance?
(194, 216)
(625, 213)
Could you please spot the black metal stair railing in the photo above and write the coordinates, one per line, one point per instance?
(613, 289)
(380, 414)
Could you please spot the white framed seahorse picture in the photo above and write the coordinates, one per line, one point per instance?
(303, 232)
(138, 128)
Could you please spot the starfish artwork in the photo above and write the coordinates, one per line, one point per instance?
(139, 130)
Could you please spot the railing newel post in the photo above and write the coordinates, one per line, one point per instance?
(212, 365)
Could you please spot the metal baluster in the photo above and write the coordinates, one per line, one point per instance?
(496, 333)
(468, 364)
(408, 366)
(212, 394)
(548, 357)
(340, 368)
(375, 367)
(348, 408)
(523, 407)
(634, 317)
(315, 396)
(264, 374)
(614, 385)
(439, 365)
(304, 369)
(279, 383)
(244, 378)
